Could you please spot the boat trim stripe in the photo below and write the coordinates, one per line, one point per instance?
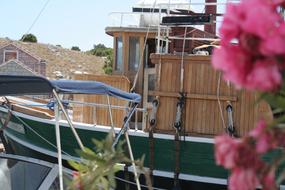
(155, 172)
(101, 128)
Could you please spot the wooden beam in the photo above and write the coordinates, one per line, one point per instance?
(193, 96)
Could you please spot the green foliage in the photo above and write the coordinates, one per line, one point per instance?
(97, 169)
(101, 50)
(29, 38)
(277, 102)
(75, 48)
(108, 66)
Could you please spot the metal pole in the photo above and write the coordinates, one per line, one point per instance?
(125, 130)
(167, 30)
(57, 132)
(110, 114)
(94, 115)
(125, 126)
(158, 32)
(69, 121)
(136, 120)
(133, 161)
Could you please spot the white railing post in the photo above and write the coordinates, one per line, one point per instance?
(58, 144)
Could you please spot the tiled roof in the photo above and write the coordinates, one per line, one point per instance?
(60, 59)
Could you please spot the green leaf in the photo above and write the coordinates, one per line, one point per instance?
(276, 100)
(98, 167)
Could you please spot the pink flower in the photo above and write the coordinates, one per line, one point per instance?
(278, 3)
(243, 179)
(273, 44)
(279, 137)
(264, 138)
(259, 129)
(225, 151)
(246, 157)
(259, 19)
(231, 26)
(264, 76)
(256, 61)
(268, 181)
(234, 62)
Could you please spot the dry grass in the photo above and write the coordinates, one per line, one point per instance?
(62, 60)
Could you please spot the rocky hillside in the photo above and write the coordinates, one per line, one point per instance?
(61, 62)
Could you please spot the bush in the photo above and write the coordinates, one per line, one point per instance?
(102, 51)
(29, 38)
(108, 66)
(75, 48)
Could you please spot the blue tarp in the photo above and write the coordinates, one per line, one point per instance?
(30, 85)
(93, 87)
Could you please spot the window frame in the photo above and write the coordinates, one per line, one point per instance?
(116, 68)
(137, 38)
(10, 51)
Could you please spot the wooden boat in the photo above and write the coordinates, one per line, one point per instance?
(31, 132)
(174, 127)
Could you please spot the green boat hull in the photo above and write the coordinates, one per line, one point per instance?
(35, 137)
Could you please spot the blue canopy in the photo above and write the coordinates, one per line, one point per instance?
(93, 87)
(23, 85)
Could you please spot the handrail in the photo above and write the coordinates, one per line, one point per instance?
(104, 105)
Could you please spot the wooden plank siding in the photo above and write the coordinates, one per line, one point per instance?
(201, 82)
(98, 115)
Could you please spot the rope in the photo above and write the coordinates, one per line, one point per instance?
(23, 122)
(180, 106)
(36, 19)
(219, 101)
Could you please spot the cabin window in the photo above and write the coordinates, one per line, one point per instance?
(149, 49)
(119, 54)
(9, 55)
(134, 53)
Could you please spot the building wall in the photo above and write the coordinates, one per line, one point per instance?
(13, 68)
(28, 60)
(177, 45)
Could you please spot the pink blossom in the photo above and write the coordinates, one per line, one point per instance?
(225, 151)
(250, 16)
(245, 156)
(264, 76)
(234, 62)
(259, 19)
(273, 44)
(231, 24)
(259, 129)
(268, 180)
(278, 3)
(264, 138)
(258, 59)
(243, 179)
(279, 137)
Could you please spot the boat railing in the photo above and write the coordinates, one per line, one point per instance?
(133, 19)
(136, 122)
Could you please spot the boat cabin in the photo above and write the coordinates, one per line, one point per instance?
(162, 51)
(163, 36)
